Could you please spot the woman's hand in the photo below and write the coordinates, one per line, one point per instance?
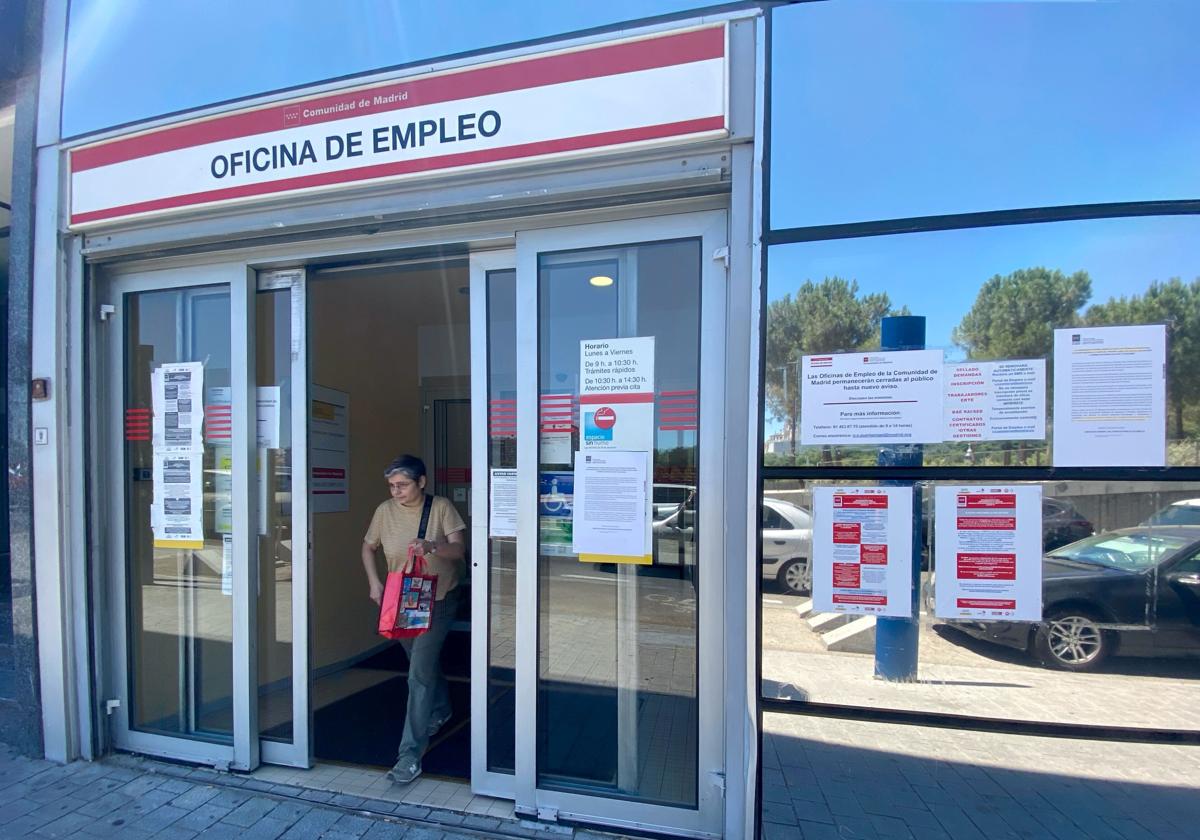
(377, 592)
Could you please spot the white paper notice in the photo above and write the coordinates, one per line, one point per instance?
(329, 449)
(989, 552)
(611, 504)
(502, 508)
(267, 427)
(616, 394)
(178, 511)
(177, 393)
(996, 400)
(862, 550)
(1110, 397)
(886, 397)
(227, 564)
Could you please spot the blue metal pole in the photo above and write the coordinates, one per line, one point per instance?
(897, 639)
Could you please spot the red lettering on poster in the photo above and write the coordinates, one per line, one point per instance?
(987, 566)
(847, 533)
(861, 502)
(986, 501)
(873, 555)
(847, 576)
(880, 600)
(987, 603)
(987, 523)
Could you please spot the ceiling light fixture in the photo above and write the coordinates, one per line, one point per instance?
(601, 280)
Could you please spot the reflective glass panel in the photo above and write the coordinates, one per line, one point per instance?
(178, 512)
(150, 51)
(617, 638)
(989, 296)
(502, 551)
(274, 506)
(1117, 641)
(922, 107)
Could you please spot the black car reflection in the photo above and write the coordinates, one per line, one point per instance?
(1131, 592)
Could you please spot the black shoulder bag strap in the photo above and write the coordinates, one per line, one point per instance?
(428, 506)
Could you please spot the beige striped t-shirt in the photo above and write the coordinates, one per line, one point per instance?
(394, 526)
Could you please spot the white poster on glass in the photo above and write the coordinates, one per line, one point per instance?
(989, 552)
(502, 503)
(177, 517)
(1110, 393)
(995, 400)
(267, 425)
(872, 397)
(329, 449)
(611, 502)
(862, 550)
(177, 391)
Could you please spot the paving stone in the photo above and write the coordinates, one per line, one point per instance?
(286, 790)
(352, 824)
(250, 812)
(161, 817)
(195, 797)
(266, 829)
(411, 812)
(778, 813)
(345, 800)
(68, 825)
(230, 799)
(176, 786)
(386, 831)
(290, 812)
(174, 832)
(203, 816)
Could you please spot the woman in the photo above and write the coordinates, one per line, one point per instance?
(395, 526)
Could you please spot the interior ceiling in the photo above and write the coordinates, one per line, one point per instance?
(419, 296)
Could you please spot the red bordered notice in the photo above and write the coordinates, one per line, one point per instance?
(989, 552)
(862, 550)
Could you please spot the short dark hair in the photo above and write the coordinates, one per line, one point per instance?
(409, 465)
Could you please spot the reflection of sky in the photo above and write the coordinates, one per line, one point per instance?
(915, 107)
(938, 275)
(138, 59)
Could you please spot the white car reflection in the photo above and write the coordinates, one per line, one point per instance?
(786, 546)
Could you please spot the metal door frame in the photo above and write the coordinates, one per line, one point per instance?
(243, 752)
(707, 819)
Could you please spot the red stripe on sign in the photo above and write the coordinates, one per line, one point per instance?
(676, 393)
(408, 167)
(522, 74)
(677, 428)
(615, 399)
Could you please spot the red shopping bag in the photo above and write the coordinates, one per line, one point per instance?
(406, 609)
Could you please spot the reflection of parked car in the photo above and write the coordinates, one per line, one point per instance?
(1183, 512)
(1134, 592)
(786, 545)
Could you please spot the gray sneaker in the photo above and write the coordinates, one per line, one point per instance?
(405, 771)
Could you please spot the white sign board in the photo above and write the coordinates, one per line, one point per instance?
(329, 449)
(612, 513)
(996, 400)
(876, 397)
(616, 393)
(267, 424)
(1110, 391)
(177, 512)
(177, 390)
(622, 94)
(502, 507)
(989, 552)
(862, 550)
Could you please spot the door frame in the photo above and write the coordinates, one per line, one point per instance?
(707, 819)
(242, 752)
(483, 781)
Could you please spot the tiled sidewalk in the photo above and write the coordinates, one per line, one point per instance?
(126, 797)
(826, 779)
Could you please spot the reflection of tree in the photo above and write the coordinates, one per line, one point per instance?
(825, 317)
(1015, 315)
(1176, 304)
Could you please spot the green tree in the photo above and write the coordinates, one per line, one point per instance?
(825, 317)
(1176, 304)
(1015, 315)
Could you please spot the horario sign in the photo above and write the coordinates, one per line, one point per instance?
(650, 90)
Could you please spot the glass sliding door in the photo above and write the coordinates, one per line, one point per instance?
(173, 414)
(619, 597)
(281, 519)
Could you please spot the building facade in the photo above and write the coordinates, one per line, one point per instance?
(615, 281)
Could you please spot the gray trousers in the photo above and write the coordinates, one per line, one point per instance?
(428, 693)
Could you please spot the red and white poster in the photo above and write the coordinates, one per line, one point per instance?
(862, 550)
(989, 552)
